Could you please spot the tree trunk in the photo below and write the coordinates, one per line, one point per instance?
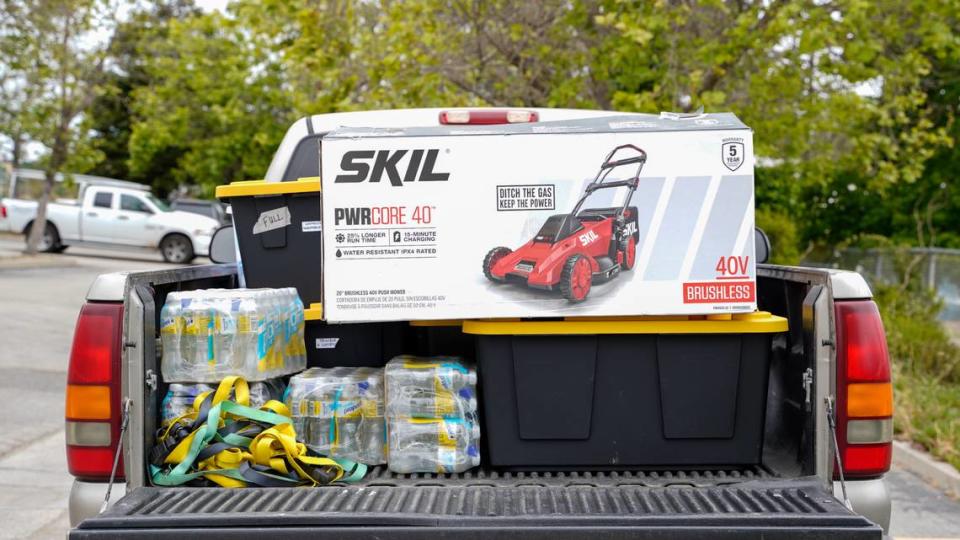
(57, 161)
(40, 220)
(17, 150)
(59, 150)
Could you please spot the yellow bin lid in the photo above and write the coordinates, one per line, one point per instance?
(758, 322)
(254, 188)
(314, 312)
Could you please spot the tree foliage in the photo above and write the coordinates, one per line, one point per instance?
(853, 102)
(111, 113)
(54, 59)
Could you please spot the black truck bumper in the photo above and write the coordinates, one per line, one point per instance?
(767, 509)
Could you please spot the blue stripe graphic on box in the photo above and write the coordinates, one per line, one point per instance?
(729, 210)
(677, 226)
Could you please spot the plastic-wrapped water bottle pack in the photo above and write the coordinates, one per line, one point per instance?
(431, 412)
(210, 334)
(338, 412)
(180, 397)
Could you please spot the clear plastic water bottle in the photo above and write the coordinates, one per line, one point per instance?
(420, 404)
(276, 318)
(413, 432)
(442, 373)
(299, 331)
(295, 353)
(370, 385)
(227, 359)
(265, 332)
(373, 428)
(265, 306)
(171, 330)
(373, 440)
(181, 397)
(432, 445)
(283, 316)
(244, 310)
(196, 342)
(327, 411)
(444, 460)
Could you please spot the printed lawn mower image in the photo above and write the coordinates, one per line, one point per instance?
(573, 251)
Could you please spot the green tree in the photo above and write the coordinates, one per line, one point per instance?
(852, 102)
(226, 87)
(834, 90)
(16, 94)
(55, 51)
(217, 104)
(110, 115)
(499, 53)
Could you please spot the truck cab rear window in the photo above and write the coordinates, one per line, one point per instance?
(305, 161)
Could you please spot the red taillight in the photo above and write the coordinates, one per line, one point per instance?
(864, 391)
(487, 117)
(3, 211)
(91, 463)
(93, 392)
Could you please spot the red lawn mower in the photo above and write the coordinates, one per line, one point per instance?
(573, 251)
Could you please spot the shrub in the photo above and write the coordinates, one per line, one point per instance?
(784, 237)
(918, 342)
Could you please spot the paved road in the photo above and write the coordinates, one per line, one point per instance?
(920, 511)
(39, 307)
(38, 310)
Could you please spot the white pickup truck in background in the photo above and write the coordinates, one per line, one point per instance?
(113, 215)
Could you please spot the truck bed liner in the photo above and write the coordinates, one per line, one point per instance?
(482, 476)
(543, 508)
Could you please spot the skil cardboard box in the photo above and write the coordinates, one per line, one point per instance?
(625, 215)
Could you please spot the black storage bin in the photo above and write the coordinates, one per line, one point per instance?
(442, 338)
(624, 393)
(353, 345)
(284, 251)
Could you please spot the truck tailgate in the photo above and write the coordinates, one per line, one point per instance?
(546, 506)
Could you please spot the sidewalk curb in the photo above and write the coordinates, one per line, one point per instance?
(937, 473)
(26, 262)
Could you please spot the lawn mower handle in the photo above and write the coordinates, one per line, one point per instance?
(607, 164)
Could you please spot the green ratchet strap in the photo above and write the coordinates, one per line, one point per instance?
(233, 445)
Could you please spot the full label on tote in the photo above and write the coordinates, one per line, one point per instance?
(623, 215)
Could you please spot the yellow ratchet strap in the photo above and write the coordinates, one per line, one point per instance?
(233, 445)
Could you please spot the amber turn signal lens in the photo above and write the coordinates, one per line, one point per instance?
(88, 402)
(869, 400)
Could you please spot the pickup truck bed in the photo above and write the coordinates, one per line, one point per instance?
(652, 504)
(788, 495)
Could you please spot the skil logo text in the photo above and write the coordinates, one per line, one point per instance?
(588, 238)
(372, 166)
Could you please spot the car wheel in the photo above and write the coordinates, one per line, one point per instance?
(576, 278)
(494, 256)
(629, 254)
(177, 248)
(49, 242)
